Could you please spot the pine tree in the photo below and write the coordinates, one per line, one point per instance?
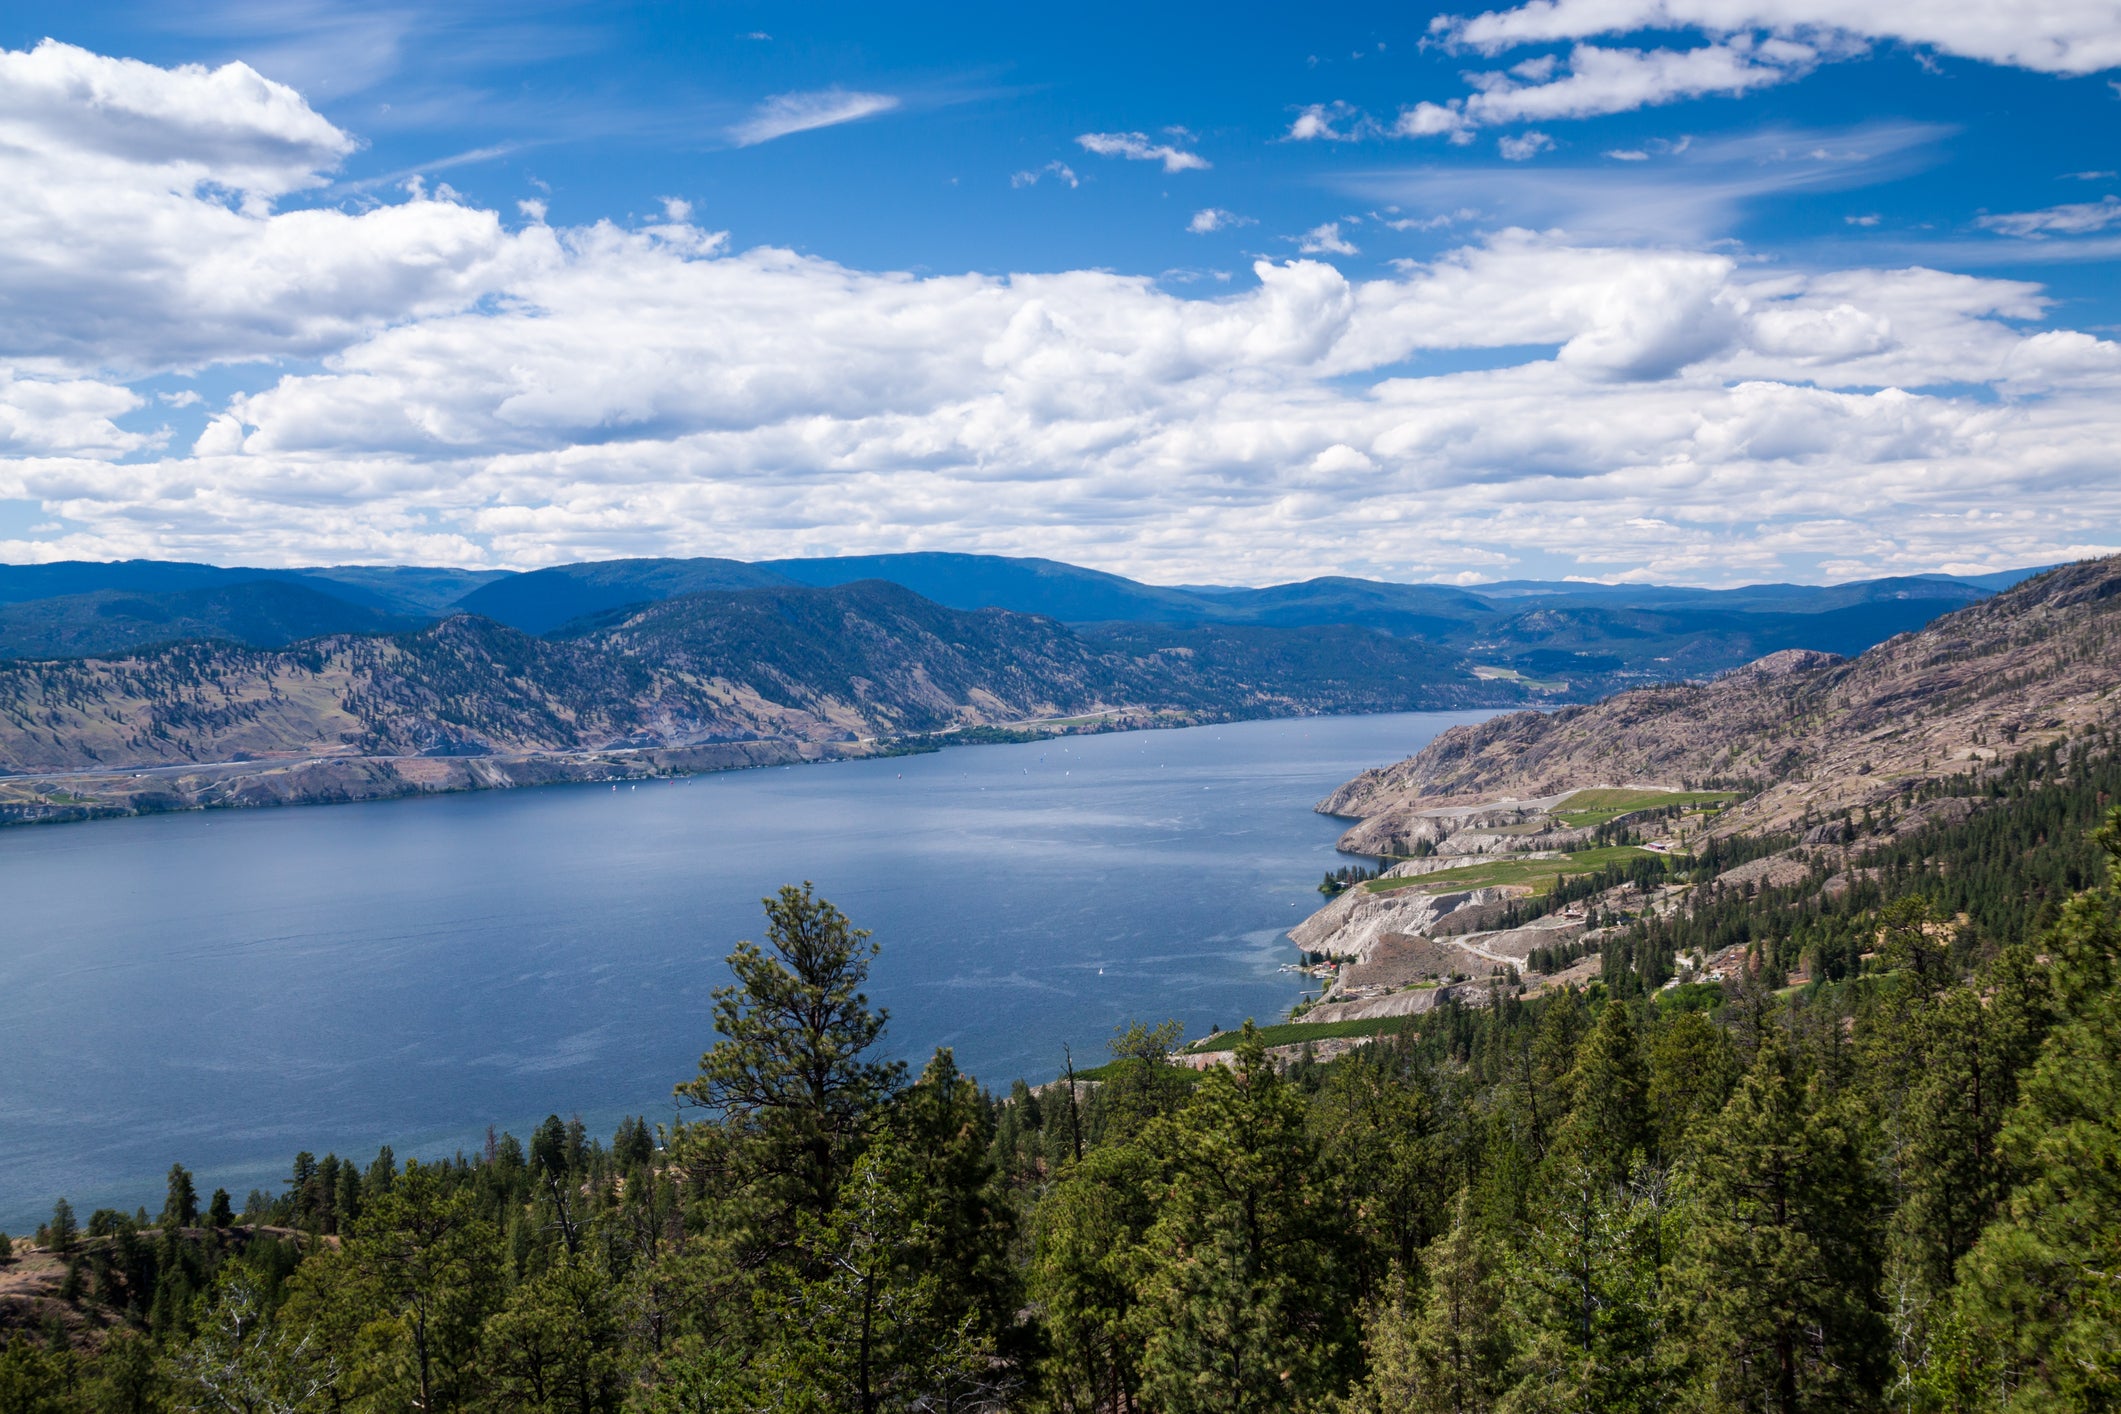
(181, 1207)
(556, 1345)
(1449, 1349)
(868, 1325)
(1376, 1125)
(1585, 1294)
(61, 1234)
(1244, 1301)
(1608, 1128)
(1084, 1268)
(401, 1304)
(793, 1091)
(946, 1135)
(1692, 1071)
(1782, 1260)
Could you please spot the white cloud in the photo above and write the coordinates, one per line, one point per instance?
(1524, 146)
(2075, 219)
(786, 113)
(189, 127)
(1596, 81)
(1059, 171)
(71, 417)
(140, 229)
(1746, 45)
(1667, 406)
(1136, 147)
(2059, 37)
(1432, 120)
(1869, 218)
(1326, 240)
(1322, 122)
(1214, 218)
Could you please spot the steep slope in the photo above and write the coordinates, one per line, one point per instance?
(873, 656)
(2035, 663)
(260, 614)
(1252, 670)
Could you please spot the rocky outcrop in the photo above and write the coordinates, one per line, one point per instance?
(2035, 664)
(1353, 924)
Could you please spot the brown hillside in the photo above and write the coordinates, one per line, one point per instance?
(2039, 662)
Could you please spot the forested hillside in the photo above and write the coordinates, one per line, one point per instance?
(1889, 1187)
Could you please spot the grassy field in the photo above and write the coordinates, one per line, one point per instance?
(1537, 873)
(1295, 1033)
(1488, 674)
(1596, 807)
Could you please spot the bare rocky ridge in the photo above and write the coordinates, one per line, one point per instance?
(1817, 733)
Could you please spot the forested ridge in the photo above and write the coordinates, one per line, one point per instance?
(1890, 1187)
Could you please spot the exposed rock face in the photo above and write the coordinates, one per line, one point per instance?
(1352, 925)
(2031, 665)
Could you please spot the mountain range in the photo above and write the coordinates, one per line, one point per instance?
(1583, 639)
(157, 685)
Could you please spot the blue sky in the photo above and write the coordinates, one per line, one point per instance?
(1681, 289)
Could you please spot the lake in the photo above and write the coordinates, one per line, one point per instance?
(225, 988)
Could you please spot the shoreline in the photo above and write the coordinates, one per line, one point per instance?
(72, 796)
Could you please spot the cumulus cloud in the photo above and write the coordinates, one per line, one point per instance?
(1214, 218)
(1524, 146)
(1326, 240)
(546, 394)
(141, 231)
(186, 128)
(1329, 122)
(2076, 219)
(70, 417)
(1136, 147)
(786, 113)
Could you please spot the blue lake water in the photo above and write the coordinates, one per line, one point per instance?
(222, 989)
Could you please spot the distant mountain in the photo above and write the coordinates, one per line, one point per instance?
(1577, 640)
(1624, 633)
(2032, 665)
(19, 583)
(261, 613)
(788, 663)
(399, 589)
(543, 600)
(1027, 586)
